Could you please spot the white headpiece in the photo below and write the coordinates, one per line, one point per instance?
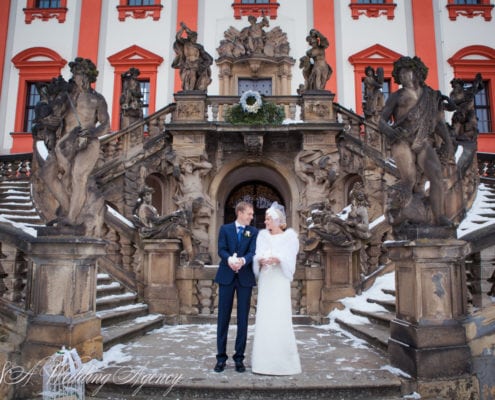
(277, 213)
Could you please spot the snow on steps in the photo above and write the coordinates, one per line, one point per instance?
(122, 317)
(368, 315)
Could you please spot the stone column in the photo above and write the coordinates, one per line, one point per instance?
(339, 276)
(161, 257)
(62, 298)
(427, 338)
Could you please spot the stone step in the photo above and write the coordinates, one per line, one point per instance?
(103, 279)
(375, 334)
(119, 392)
(10, 206)
(120, 314)
(389, 305)
(389, 291)
(130, 329)
(379, 317)
(108, 289)
(117, 300)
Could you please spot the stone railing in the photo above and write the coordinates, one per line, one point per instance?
(129, 141)
(198, 292)
(486, 166)
(218, 105)
(15, 166)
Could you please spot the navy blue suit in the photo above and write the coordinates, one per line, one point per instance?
(230, 282)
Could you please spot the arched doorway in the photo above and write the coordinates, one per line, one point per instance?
(260, 194)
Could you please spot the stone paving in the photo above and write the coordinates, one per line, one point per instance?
(183, 356)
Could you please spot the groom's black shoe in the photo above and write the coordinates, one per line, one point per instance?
(220, 366)
(239, 366)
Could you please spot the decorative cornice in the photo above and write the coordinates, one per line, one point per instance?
(373, 10)
(470, 11)
(32, 12)
(257, 10)
(139, 12)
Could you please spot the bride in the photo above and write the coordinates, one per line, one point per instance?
(274, 346)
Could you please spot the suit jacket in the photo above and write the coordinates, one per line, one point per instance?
(228, 244)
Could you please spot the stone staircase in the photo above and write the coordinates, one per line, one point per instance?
(122, 316)
(375, 329)
(16, 204)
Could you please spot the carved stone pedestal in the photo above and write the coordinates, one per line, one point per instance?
(317, 106)
(191, 106)
(339, 277)
(427, 338)
(161, 257)
(62, 300)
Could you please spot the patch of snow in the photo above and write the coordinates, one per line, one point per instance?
(26, 229)
(116, 214)
(473, 219)
(395, 371)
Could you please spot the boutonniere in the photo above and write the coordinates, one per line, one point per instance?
(247, 233)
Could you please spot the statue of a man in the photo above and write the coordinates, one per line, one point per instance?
(155, 226)
(319, 71)
(373, 96)
(192, 60)
(81, 116)
(417, 116)
(254, 36)
(131, 99)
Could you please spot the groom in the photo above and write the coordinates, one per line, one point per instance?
(236, 248)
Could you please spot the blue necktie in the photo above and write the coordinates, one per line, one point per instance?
(239, 233)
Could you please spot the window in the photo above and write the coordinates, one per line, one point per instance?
(145, 91)
(469, 9)
(147, 63)
(139, 9)
(482, 108)
(256, 8)
(48, 4)
(375, 56)
(37, 64)
(372, 8)
(263, 86)
(140, 2)
(45, 10)
(33, 98)
(466, 63)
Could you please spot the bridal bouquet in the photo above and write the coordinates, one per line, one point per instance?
(252, 110)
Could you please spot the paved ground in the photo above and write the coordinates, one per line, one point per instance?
(183, 356)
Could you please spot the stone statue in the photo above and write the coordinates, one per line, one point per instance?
(65, 190)
(191, 182)
(418, 126)
(253, 37)
(52, 103)
(153, 226)
(343, 230)
(254, 40)
(464, 120)
(131, 99)
(373, 96)
(192, 60)
(311, 166)
(357, 221)
(316, 70)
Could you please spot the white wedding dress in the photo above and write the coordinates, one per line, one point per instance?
(274, 345)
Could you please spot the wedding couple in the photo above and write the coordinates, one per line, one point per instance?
(269, 256)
